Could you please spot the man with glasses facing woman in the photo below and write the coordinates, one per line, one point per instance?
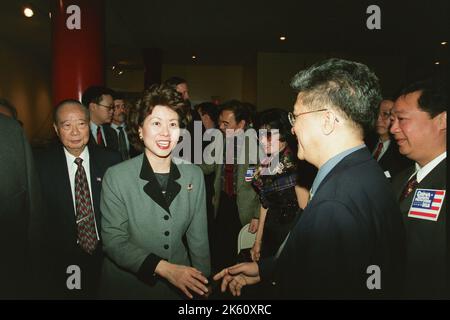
(99, 101)
(351, 224)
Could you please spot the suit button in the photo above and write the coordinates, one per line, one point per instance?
(166, 217)
(166, 246)
(166, 233)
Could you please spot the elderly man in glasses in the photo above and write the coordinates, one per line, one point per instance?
(349, 240)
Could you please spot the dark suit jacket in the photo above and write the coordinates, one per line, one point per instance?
(393, 161)
(351, 223)
(112, 142)
(61, 227)
(20, 212)
(133, 152)
(427, 242)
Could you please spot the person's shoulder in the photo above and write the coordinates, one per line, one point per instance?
(47, 153)
(187, 167)
(105, 154)
(127, 166)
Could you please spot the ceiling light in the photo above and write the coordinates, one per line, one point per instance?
(444, 43)
(437, 62)
(282, 38)
(28, 12)
(113, 67)
(194, 57)
(120, 72)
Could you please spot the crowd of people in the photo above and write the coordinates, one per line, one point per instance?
(344, 184)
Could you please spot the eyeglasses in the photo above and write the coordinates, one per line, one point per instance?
(292, 116)
(111, 107)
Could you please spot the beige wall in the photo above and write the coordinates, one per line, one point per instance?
(274, 73)
(275, 70)
(25, 82)
(129, 81)
(205, 82)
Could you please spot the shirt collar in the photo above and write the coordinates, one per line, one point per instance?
(426, 169)
(329, 165)
(71, 158)
(116, 127)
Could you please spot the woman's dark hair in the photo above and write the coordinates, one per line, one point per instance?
(276, 118)
(156, 95)
(210, 109)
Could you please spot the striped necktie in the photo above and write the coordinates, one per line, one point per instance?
(86, 232)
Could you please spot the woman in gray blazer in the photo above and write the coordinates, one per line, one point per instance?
(148, 204)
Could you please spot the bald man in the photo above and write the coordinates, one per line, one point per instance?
(71, 174)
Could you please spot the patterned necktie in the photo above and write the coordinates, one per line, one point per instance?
(377, 152)
(123, 144)
(99, 136)
(86, 235)
(410, 187)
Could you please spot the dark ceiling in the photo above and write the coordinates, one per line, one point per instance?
(231, 32)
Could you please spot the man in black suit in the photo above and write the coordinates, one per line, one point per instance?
(20, 212)
(118, 124)
(99, 101)
(420, 129)
(71, 175)
(386, 150)
(348, 242)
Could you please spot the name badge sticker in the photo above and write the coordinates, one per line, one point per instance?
(249, 174)
(426, 204)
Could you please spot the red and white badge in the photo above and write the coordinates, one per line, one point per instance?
(426, 204)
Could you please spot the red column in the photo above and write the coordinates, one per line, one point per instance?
(152, 65)
(77, 47)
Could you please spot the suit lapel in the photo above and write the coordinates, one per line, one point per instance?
(96, 181)
(153, 189)
(173, 187)
(62, 184)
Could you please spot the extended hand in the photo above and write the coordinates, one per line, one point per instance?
(238, 276)
(185, 278)
(253, 227)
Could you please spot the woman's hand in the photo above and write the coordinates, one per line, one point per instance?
(255, 251)
(185, 278)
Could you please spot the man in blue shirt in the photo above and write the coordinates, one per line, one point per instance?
(349, 241)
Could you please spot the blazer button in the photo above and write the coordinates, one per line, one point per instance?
(166, 246)
(166, 217)
(166, 233)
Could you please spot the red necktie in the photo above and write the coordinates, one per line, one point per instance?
(229, 177)
(378, 151)
(410, 187)
(86, 236)
(99, 136)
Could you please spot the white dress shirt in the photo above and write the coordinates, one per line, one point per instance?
(422, 172)
(72, 168)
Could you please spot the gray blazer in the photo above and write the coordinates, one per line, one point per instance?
(140, 227)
